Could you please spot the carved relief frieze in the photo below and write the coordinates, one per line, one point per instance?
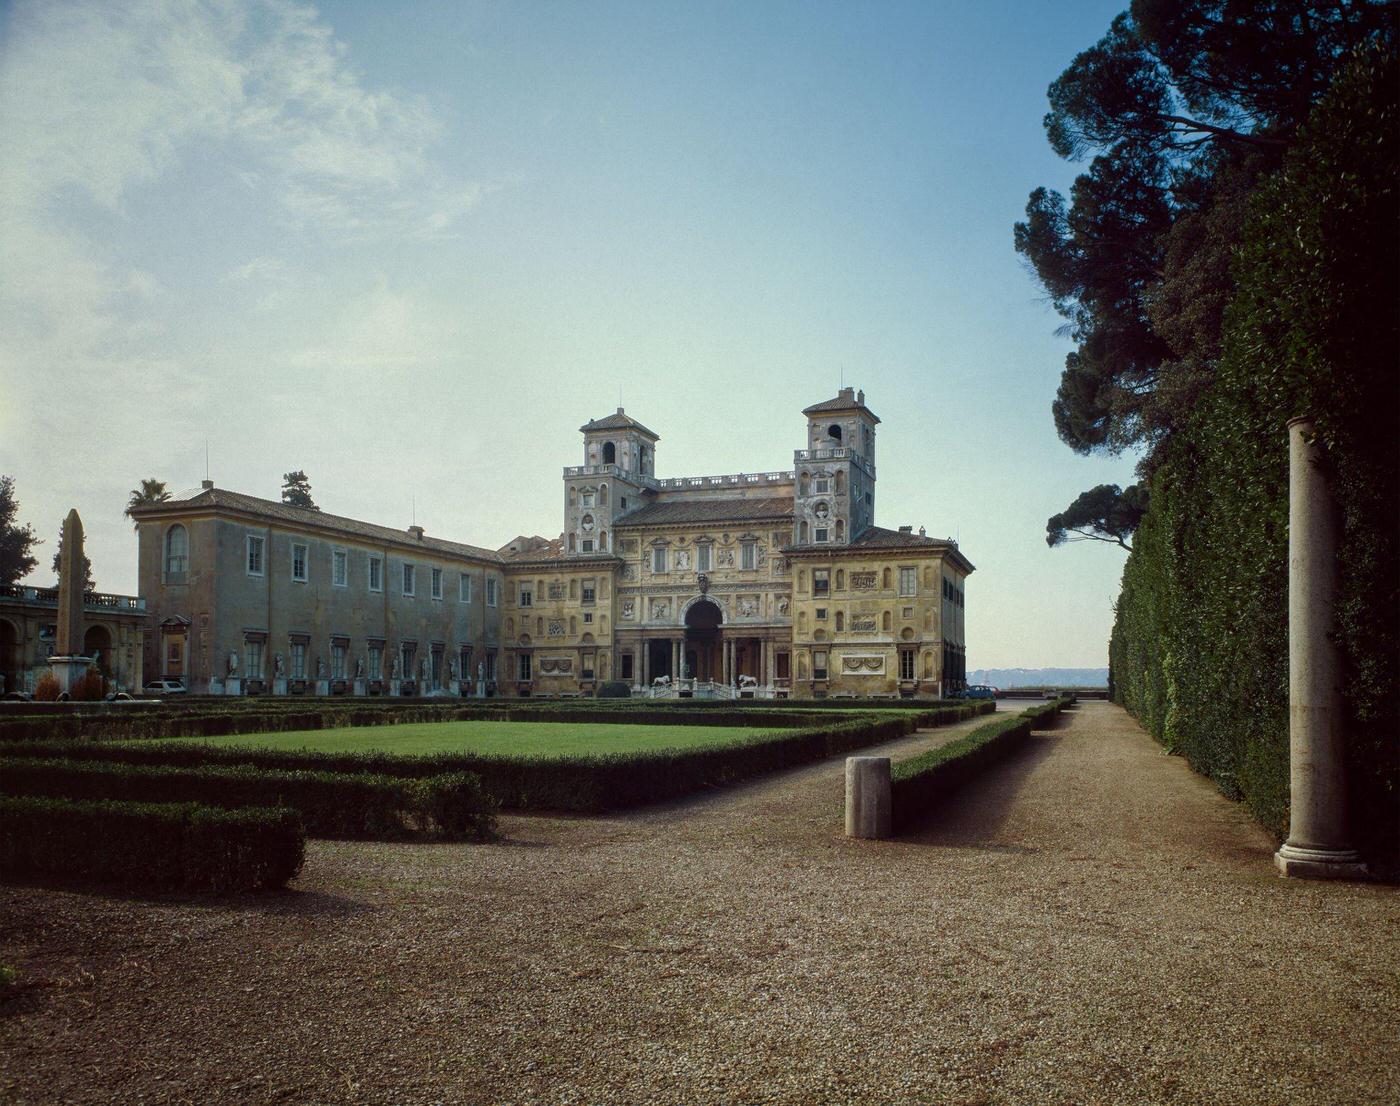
(556, 627)
(660, 609)
(783, 604)
(863, 665)
(629, 609)
(747, 606)
(862, 624)
(556, 666)
(863, 581)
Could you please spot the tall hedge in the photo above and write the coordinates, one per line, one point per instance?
(1199, 651)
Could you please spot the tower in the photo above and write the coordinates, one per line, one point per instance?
(835, 474)
(619, 466)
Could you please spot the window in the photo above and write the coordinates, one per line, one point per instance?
(840, 620)
(587, 545)
(298, 660)
(588, 497)
(340, 568)
(590, 592)
(464, 659)
(587, 617)
(491, 664)
(627, 663)
(658, 559)
(821, 581)
(782, 665)
(906, 664)
(527, 596)
(840, 580)
(376, 573)
(704, 555)
(491, 592)
(908, 581)
(376, 659)
(464, 588)
(177, 549)
(821, 614)
(409, 579)
(748, 555)
(299, 562)
(406, 651)
(435, 583)
(338, 651)
(253, 658)
(820, 485)
(819, 664)
(523, 662)
(255, 555)
(623, 501)
(822, 534)
(586, 663)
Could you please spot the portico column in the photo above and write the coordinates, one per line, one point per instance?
(646, 663)
(1318, 845)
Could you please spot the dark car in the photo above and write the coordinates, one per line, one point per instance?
(976, 691)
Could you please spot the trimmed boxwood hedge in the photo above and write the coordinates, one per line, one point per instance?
(583, 784)
(181, 846)
(450, 806)
(916, 783)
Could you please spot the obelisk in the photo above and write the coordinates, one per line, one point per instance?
(69, 666)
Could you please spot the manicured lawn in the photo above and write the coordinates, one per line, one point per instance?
(545, 739)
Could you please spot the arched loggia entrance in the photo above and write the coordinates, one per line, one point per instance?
(704, 658)
(97, 642)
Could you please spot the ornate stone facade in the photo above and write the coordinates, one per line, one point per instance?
(776, 582)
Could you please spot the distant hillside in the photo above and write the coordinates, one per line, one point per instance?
(1037, 677)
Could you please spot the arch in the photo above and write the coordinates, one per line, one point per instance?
(177, 550)
(587, 639)
(928, 664)
(9, 654)
(840, 529)
(802, 621)
(602, 495)
(802, 579)
(907, 634)
(802, 532)
(804, 484)
(99, 638)
(840, 579)
(539, 626)
(573, 589)
(834, 431)
(818, 634)
(609, 453)
(885, 579)
(702, 613)
(886, 622)
(524, 639)
(840, 482)
(573, 543)
(510, 627)
(840, 621)
(573, 496)
(573, 624)
(602, 541)
(801, 666)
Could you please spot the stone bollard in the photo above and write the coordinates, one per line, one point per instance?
(1318, 846)
(868, 797)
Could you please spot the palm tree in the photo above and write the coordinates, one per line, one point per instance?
(149, 494)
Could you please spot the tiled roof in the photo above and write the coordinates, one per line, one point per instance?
(620, 420)
(847, 400)
(677, 511)
(877, 537)
(537, 550)
(302, 516)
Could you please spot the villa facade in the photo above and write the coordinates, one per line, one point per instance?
(771, 584)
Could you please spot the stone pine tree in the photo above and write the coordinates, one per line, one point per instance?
(16, 541)
(88, 585)
(296, 491)
(150, 493)
(1105, 513)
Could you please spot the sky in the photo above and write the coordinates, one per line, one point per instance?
(411, 248)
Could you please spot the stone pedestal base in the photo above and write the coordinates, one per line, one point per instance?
(454, 687)
(1298, 862)
(279, 685)
(481, 689)
(69, 670)
(357, 688)
(868, 797)
(233, 685)
(394, 686)
(323, 687)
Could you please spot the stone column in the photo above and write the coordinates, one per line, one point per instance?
(644, 662)
(868, 797)
(1318, 846)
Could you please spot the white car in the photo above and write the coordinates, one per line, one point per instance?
(164, 687)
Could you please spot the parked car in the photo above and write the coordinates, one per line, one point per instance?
(164, 687)
(976, 691)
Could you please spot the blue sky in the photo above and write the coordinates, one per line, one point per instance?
(411, 248)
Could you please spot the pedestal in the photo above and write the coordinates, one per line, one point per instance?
(357, 688)
(323, 687)
(394, 686)
(233, 685)
(868, 797)
(481, 689)
(216, 686)
(454, 686)
(279, 685)
(69, 670)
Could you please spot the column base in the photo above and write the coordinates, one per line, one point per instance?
(1299, 862)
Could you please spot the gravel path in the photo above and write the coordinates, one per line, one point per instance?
(1090, 923)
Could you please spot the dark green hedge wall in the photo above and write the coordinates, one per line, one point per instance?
(1199, 651)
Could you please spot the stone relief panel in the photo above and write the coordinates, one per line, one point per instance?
(660, 609)
(629, 572)
(556, 666)
(556, 627)
(863, 581)
(629, 609)
(863, 666)
(747, 606)
(784, 604)
(683, 560)
(862, 623)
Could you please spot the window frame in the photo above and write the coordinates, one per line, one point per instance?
(464, 587)
(660, 563)
(748, 556)
(305, 576)
(250, 542)
(910, 573)
(408, 577)
(435, 582)
(493, 596)
(340, 568)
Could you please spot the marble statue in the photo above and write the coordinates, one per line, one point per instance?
(360, 669)
(320, 667)
(279, 666)
(233, 664)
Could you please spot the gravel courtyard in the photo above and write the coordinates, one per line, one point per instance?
(1091, 923)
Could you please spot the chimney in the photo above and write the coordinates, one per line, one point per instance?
(206, 484)
(847, 394)
(416, 531)
(621, 411)
(906, 529)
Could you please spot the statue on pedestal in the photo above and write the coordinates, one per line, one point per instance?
(360, 669)
(279, 666)
(233, 664)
